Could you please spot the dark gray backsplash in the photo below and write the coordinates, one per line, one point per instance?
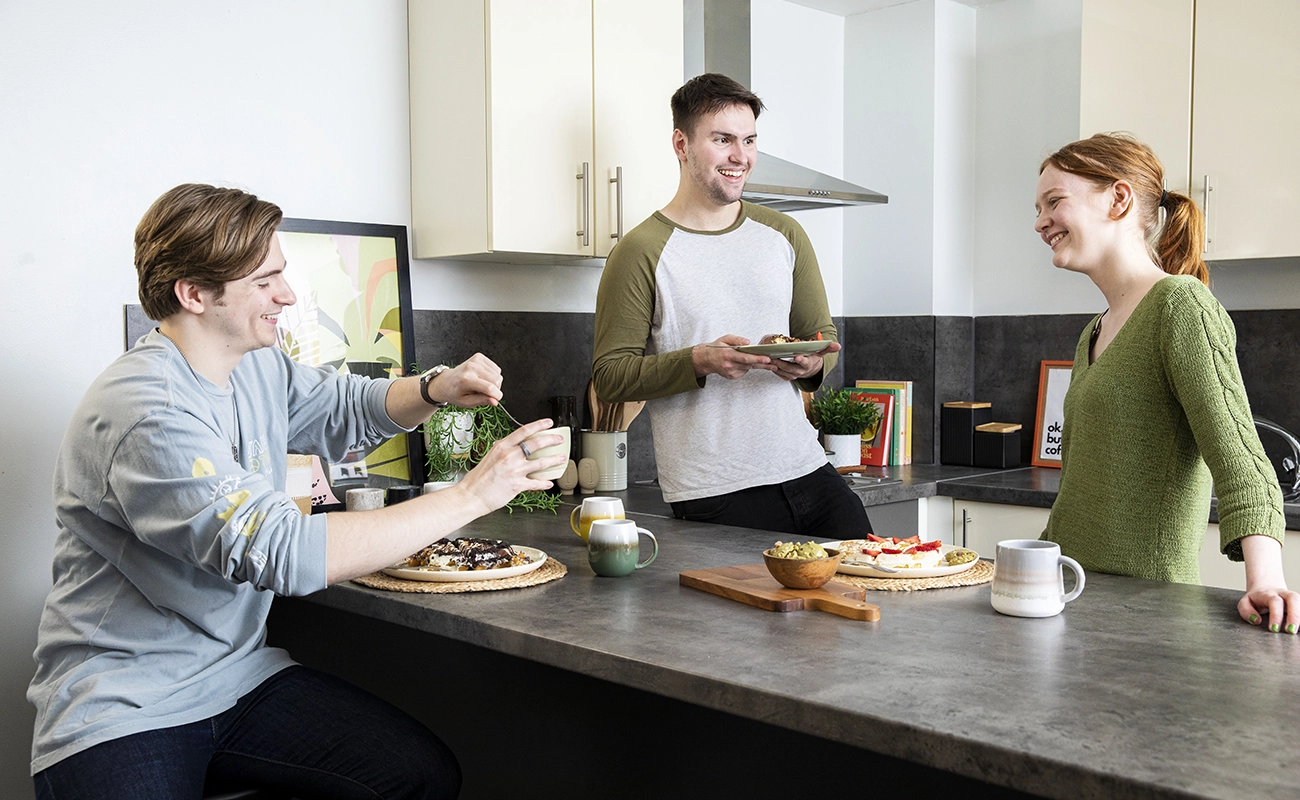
(997, 359)
(994, 359)
(541, 355)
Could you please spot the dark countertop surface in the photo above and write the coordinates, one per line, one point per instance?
(1023, 486)
(1139, 689)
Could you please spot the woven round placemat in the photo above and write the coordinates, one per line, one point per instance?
(982, 572)
(550, 571)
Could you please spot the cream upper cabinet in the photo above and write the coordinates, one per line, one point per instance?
(638, 65)
(522, 112)
(1136, 77)
(1244, 123)
(1214, 87)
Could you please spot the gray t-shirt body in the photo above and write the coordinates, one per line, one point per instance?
(168, 552)
(666, 289)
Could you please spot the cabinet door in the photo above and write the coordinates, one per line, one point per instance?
(1246, 112)
(1136, 76)
(638, 65)
(539, 125)
(980, 526)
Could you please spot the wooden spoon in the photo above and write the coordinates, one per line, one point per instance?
(630, 410)
(593, 405)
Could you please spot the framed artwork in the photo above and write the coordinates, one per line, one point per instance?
(1053, 381)
(353, 315)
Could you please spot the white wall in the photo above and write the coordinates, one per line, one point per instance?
(954, 159)
(106, 106)
(889, 122)
(797, 67)
(1027, 85)
(909, 113)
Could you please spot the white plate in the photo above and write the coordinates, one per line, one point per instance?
(443, 576)
(783, 349)
(866, 571)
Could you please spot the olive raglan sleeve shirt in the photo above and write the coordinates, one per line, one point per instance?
(1151, 426)
(666, 289)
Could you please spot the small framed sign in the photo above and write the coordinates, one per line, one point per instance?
(1053, 381)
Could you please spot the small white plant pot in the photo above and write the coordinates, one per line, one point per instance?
(843, 450)
(462, 431)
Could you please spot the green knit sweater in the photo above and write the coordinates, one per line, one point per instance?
(1142, 423)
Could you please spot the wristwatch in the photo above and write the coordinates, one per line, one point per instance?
(426, 378)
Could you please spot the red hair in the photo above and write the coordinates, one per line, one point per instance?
(1105, 158)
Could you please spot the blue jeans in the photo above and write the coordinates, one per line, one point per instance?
(301, 732)
(818, 504)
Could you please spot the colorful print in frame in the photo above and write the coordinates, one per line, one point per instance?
(353, 315)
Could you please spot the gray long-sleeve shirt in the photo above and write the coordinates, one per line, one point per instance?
(168, 552)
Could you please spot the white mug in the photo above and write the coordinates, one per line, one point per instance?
(550, 473)
(613, 547)
(1028, 579)
(594, 508)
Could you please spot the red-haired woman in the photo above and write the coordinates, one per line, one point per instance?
(1156, 406)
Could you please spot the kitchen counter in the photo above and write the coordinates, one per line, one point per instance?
(1139, 689)
(1023, 486)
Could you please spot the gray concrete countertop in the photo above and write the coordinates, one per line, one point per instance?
(1139, 689)
(1023, 486)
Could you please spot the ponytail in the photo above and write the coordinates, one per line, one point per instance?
(1178, 250)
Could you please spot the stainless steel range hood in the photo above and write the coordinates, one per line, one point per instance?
(717, 40)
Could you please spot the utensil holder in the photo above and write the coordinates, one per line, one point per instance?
(609, 450)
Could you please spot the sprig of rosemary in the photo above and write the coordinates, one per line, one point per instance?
(488, 424)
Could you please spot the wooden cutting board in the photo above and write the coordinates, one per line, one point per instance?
(754, 585)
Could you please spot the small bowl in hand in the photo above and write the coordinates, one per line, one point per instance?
(802, 573)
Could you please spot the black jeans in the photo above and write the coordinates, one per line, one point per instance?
(819, 504)
(300, 732)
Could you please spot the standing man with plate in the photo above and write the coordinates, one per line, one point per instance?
(732, 441)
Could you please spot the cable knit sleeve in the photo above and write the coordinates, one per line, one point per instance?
(1201, 367)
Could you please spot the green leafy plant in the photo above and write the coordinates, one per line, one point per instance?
(841, 412)
(453, 450)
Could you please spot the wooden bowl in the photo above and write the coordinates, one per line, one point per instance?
(802, 573)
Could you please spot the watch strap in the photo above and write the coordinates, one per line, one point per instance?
(427, 378)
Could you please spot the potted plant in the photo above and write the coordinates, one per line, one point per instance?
(456, 439)
(842, 416)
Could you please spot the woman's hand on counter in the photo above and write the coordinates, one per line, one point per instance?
(1266, 592)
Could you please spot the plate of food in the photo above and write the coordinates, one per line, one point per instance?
(778, 345)
(468, 559)
(782, 349)
(908, 558)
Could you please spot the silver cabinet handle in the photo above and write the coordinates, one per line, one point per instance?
(1206, 209)
(618, 179)
(585, 177)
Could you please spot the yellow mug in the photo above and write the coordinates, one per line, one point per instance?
(593, 508)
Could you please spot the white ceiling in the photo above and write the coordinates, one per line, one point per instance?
(849, 7)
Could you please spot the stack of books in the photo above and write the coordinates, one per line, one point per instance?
(889, 443)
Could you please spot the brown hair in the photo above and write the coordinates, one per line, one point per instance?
(1105, 158)
(202, 234)
(706, 94)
